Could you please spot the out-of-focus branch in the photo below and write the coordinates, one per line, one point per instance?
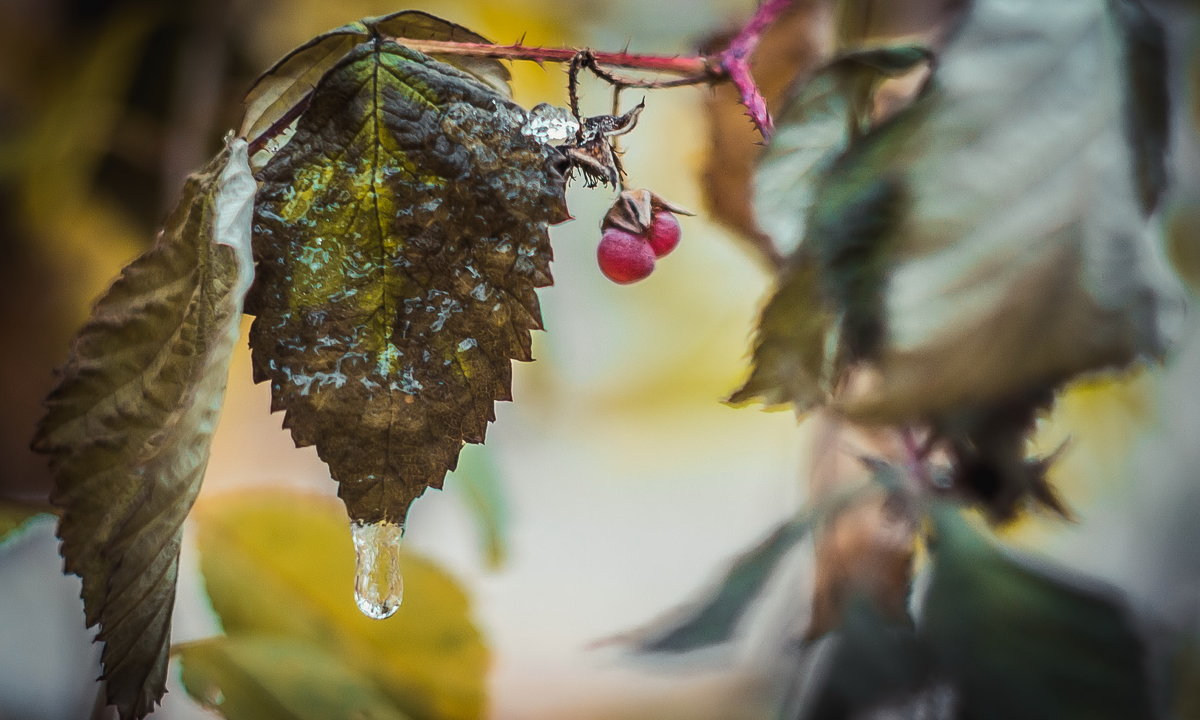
(196, 104)
(865, 550)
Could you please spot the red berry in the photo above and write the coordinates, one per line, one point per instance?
(623, 257)
(663, 233)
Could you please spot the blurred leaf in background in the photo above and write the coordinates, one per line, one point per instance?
(279, 568)
(480, 481)
(275, 678)
(713, 617)
(1026, 641)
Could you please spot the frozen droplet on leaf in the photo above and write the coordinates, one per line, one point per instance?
(550, 124)
(378, 586)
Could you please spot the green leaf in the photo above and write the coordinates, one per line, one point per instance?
(270, 678)
(480, 480)
(288, 85)
(811, 131)
(889, 60)
(129, 425)
(791, 342)
(872, 662)
(793, 346)
(715, 616)
(282, 565)
(1025, 641)
(399, 238)
(991, 239)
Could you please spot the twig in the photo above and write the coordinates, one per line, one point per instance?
(197, 96)
(732, 64)
(917, 458)
(292, 114)
(701, 66)
(735, 63)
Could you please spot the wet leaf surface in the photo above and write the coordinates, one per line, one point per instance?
(399, 237)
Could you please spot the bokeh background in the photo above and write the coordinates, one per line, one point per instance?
(616, 485)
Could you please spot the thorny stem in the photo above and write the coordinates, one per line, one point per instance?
(293, 113)
(573, 93)
(735, 62)
(692, 69)
(692, 65)
(730, 65)
(747, 39)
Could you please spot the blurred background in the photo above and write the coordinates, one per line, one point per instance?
(610, 492)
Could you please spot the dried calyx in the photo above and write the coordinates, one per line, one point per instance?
(639, 228)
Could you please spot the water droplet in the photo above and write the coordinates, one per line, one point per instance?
(550, 124)
(378, 587)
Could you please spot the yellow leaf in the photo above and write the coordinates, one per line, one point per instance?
(269, 678)
(283, 564)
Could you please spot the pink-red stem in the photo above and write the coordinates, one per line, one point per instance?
(697, 65)
(735, 62)
(732, 64)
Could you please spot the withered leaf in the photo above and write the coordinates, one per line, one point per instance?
(991, 239)
(830, 109)
(399, 237)
(287, 86)
(793, 354)
(791, 341)
(129, 426)
(797, 42)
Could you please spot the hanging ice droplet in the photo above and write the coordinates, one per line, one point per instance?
(378, 586)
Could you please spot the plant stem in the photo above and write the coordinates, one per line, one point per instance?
(732, 64)
(704, 68)
(916, 458)
(747, 39)
(735, 62)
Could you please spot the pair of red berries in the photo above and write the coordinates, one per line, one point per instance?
(639, 228)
